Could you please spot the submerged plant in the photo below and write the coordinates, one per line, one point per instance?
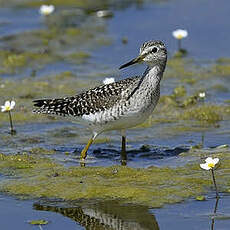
(210, 164)
(7, 107)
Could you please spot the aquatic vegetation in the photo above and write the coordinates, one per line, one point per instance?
(200, 198)
(80, 3)
(210, 164)
(7, 107)
(202, 95)
(46, 9)
(89, 6)
(14, 61)
(38, 222)
(179, 91)
(37, 176)
(78, 57)
(104, 14)
(205, 113)
(71, 43)
(221, 70)
(181, 68)
(180, 34)
(41, 151)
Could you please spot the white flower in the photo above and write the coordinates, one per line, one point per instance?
(179, 34)
(46, 9)
(202, 94)
(104, 13)
(108, 80)
(8, 106)
(210, 163)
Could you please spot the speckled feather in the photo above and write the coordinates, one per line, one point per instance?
(94, 100)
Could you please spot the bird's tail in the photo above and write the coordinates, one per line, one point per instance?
(50, 106)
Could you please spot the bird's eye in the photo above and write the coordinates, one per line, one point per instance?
(154, 50)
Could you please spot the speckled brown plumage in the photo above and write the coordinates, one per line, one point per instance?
(94, 100)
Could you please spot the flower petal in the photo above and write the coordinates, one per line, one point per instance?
(179, 34)
(216, 160)
(209, 160)
(108, 80)
(7, 104)
(12, 104)
(3, 108)
(46, 9)
(205, 166)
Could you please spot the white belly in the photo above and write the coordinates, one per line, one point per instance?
(103, 121)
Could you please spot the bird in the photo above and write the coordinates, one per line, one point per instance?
(116, 106)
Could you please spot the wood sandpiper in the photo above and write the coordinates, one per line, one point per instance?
(118, 105)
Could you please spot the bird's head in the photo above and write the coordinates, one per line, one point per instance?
(152, 53)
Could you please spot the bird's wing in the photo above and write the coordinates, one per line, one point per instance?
(94, 100)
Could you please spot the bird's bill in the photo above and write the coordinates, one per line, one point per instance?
(134, 61)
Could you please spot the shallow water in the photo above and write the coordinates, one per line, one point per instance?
(94, 214)
(158, 143)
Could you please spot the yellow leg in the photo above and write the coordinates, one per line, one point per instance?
(84, 151)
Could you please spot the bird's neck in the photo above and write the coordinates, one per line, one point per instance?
(153, 74)
(150, 80)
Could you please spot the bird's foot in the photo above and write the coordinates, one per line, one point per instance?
(123, 162)
(82, 162)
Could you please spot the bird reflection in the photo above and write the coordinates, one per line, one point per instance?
(109, 215)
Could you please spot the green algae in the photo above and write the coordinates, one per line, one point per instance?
(59, 42)
(206, 113)
(223, 60)
(188, 71)
(38, 176)
(38, 222)
(191, 100)
(190, 81)
(220, 88)
(79, 57)
(179, 91)
(12, 62)
(181, 53)
(181, 68)
(221, 70)
(200, 198)
(178, 128)
(41, 151)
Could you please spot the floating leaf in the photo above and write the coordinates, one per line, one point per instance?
(38, 222)
(200, 198)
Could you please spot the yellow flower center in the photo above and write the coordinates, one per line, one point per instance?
(7, 108)
(211, 165)
(179, 36)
